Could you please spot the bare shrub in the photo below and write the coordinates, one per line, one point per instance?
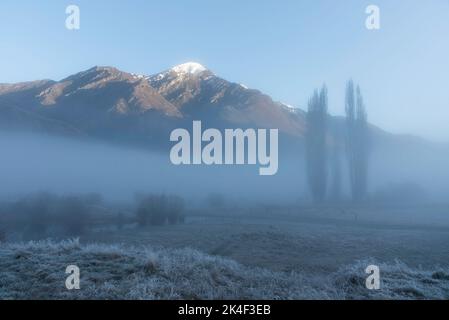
(159, 210)
(34, 212)
(144, 210)
(42, 215)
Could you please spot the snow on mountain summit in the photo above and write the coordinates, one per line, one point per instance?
(189, 68)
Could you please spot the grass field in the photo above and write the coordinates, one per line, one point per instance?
(238, 255)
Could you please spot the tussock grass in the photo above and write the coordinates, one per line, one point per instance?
(36, 270)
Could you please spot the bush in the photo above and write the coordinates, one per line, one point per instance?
(34, 212)
(41, 215)
(150, 210)
(159, 210)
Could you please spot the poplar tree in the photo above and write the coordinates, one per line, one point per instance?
(316, 146)
(357, 142)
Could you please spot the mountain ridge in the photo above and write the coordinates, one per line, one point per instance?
(106, 102)
(187, 91)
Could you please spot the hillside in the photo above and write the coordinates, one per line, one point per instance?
(107, 103)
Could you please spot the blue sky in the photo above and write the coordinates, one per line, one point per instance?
(284, 48)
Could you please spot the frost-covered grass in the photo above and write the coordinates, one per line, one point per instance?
(398, 281)
(37, 271)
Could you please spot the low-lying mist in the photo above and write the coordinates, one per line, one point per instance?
(32, 163)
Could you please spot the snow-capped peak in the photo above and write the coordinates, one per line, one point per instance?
(290, 108)
(189, 68)
(140, 76)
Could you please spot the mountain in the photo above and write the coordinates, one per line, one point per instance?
(106, 103)
(200, 94)
(106, 89)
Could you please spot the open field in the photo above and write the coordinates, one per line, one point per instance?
(239, 254)
(292, 241)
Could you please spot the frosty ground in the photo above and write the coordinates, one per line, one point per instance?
(241, 255)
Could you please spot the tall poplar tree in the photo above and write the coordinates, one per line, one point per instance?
(316, 146)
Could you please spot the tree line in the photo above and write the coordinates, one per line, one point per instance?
(326, 143)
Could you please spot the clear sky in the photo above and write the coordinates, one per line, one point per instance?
(284, 48)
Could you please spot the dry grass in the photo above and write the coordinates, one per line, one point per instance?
(36, 270)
